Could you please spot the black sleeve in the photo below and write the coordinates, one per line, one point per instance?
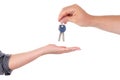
(4, 61)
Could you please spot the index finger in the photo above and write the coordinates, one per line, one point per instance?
(67, 11)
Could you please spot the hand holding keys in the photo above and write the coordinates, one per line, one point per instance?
(62, 29)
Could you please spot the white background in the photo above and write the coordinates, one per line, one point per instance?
(30, 24)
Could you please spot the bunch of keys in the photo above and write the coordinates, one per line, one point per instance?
(62, 29)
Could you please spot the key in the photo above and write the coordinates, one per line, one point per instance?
(62, 29)
(59, 36)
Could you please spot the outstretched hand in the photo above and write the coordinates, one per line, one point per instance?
(54, 49)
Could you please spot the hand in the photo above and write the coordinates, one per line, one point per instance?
(18, 60)
(74, 14)
(53, 49)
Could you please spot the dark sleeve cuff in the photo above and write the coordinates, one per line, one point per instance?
(5, 63)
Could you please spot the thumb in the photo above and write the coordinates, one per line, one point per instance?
(66, 19)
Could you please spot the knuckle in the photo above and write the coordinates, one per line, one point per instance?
(64, 8)
(75, 4)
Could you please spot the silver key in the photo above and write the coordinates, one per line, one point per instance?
(62, 29)
(61, 35)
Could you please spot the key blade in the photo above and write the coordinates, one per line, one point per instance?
(59, 36)
(63, 37)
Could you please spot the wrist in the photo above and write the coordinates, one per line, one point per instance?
(88, 20)
(43, 51)
(94, 21)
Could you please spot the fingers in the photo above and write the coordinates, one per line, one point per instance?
(54, 49)
(73, 48)
(66, 12)
(66, 19)
(62, 46)
(69, 49)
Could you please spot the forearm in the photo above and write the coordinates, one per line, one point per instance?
(21, 59)
(107, 23)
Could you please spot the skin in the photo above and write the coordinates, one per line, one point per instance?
(21, 59)
(77, 15)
